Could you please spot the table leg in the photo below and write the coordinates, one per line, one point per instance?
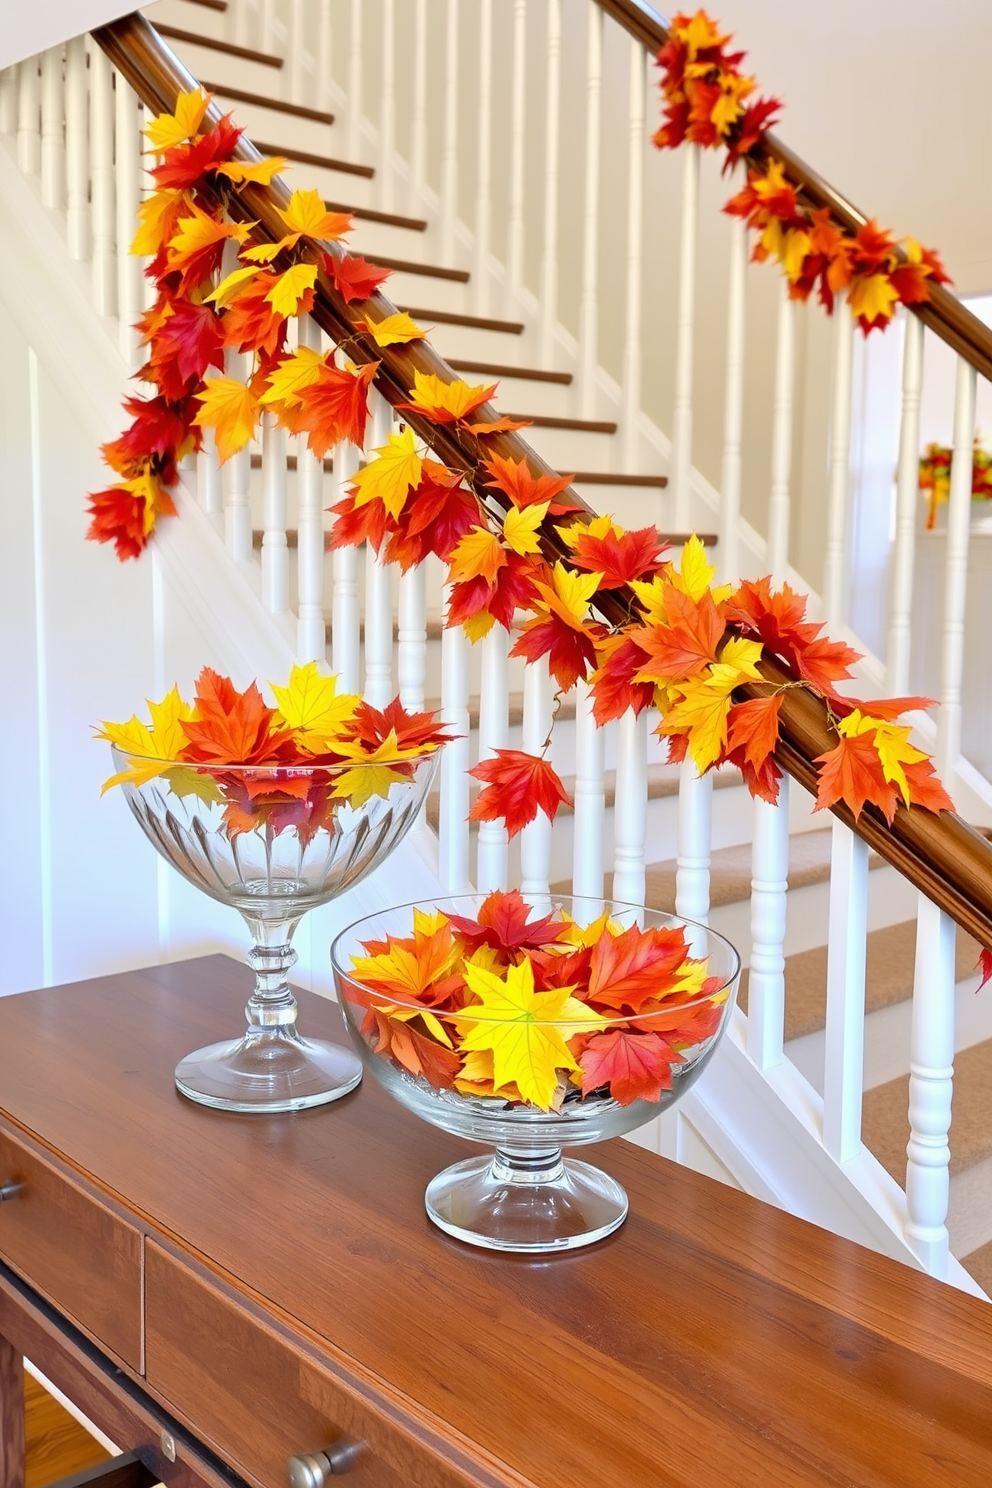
(11, 1417)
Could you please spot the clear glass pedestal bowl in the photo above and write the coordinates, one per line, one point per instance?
(526, 1196)
(272, 842)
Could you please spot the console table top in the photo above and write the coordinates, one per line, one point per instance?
(712, 1340)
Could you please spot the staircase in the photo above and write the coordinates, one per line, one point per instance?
(703, 846)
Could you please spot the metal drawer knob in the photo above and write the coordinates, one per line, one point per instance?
(9, 1190)
(312, 1469)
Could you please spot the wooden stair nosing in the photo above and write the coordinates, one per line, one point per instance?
(311, 157)
(229, 48)
(610, 478)
(474, 322)
(210, 5)
(388, 219)
(242, 95)
(407, 266)
(500, 369)
(551, 421)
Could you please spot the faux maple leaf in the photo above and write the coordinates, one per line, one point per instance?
(635, 1066)
(560, 630)
(311, 706)
(166, 130)
(629, 969)
(232, 727)
(612, 684)
(151, 743)
(477, 605)
(413, 1050)
(412, 732)
(852, 773)
(506, 922)
(353, 278)
(392, 330)
(334, 407)
(185, 165)
(438, 513)
(126, 514)
(445, 402)
(603, 547)
(778, 621)
(687, 644)
(231, 410)
(515, 480)
(189, 340)
(518, 785)
(985, 967)
(195, 249)
(252, 323)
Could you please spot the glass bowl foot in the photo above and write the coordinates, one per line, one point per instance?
(528, 1202)
(268, 1070)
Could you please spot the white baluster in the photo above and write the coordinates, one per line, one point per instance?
(769, 894)
(208, 482)
(907, 506)
(345, 605)
(838, 491)
(8, 100)
(931, 1087)
(275, 554)
(52, 135)
(379, 688)
(29, 116)
(453, 829)
(266, 25)
(411, 650)
(535, 839)
(294, 73)
(589, 304)
(238, 23)
(630, 809)
(695, 837)
(491, 872)
(777, 555)
(77, 149)
(418, 126)
(387, 106)
(236, 470)
(102, 183)
(449, 164)
(631, 374)
(843, 1076)
(956, 573)
(483, 170)
(325, 53)
(728, 547)
(127, 148)
(681, 469)
(518, 120)
(588, 851)
(310, 637)
(355, 82)
(549, 260)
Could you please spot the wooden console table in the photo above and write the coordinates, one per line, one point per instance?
(221, 1293)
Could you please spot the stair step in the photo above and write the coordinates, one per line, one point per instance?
(500, 369)
(248, 54)
(388, 219)
(407, 266)
(885, 1122)
(607, 478)
(549, 421)
(210, 5)
(979, 1265)
(243, 95)
(730, 870)
(310, 157)
(890, 966)
(474, 322)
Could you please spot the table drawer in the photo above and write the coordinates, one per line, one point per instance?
(72, 1249)
(258, 1400)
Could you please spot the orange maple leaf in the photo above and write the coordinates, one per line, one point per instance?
(353, 277)
(232, 727)
(515, 480)
(334, 407)
(852, 773)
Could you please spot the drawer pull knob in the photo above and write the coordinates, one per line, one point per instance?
(9, 1190)
(312, 1469)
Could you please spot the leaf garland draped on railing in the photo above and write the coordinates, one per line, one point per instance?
(617, 611)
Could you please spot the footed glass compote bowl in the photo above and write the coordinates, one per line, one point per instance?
(273, 841)
(532, 1029)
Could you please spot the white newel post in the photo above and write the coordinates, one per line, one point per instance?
(483, 168)
(345, 606)
(77, 149)
(956, 573)
(777, 556)
(411, 648)
(589, 847)
(930, 1088)
(681, 468)
(275, 552)
(418, 128)
(843, 1075)
(311, 643)
(29, 116)
(549, 258)
(769, 893)
(835, 562)
(379, 688)
(907, 506)
(492, 867)
(52, 137)
(589, 304)
(449, 163)
(130, 286)
(728, 547)
(518, 118)
(535, 839)
(630, 396)
(453, 828)
(630, 810)
(102, 184)
(695, 837)
(387, 105)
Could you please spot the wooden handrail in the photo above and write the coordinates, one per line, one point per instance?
(941, 855)
(943, 312)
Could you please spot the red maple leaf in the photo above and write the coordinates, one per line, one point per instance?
(612, 685)
(620, 557)
(335, 406)
(925, 786)
(638, 965)
(372, 727)
(413, 1050)
(985, 967)
(353, 277)
(505, 922)
(518, 785)
(524, 489)
(250, 322)
(118, 516)
(186, 343)
(159, 427)
(438, 514)
(777, 620)
(355, 525)
(513, 589)
(185, 165)
(752, 727)
(635, 1066)
(687, 645)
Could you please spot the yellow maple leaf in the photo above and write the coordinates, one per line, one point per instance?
(262, 172)
(290, 289)
(390, 477)
(525, 1030)
(198, 230)
(479, 554)
(297, 372)
(394, 330)
(738, 659)
(154, 220)
(598, 527)
(313, 707)
(794, 250)
(263, 253)
(166, 130)
(149, 746)
(872, 295)
(455, 398)
(694, 575)
(701, 714)
(520, 527)
(230, 408)
(307, 216)
(230, 288)
(892, 744)
(572, 593)
(651, 595)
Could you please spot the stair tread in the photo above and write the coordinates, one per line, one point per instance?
(408, 266)
(889, 970)
(551, 421)
(209, 5)
(502, 369)
(312, 157)
(474, 322)
(244, 95)
(885, 1122)
(389, 219)
(248, 54)
(730, 870)
(979, 1265)
(610, 478)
